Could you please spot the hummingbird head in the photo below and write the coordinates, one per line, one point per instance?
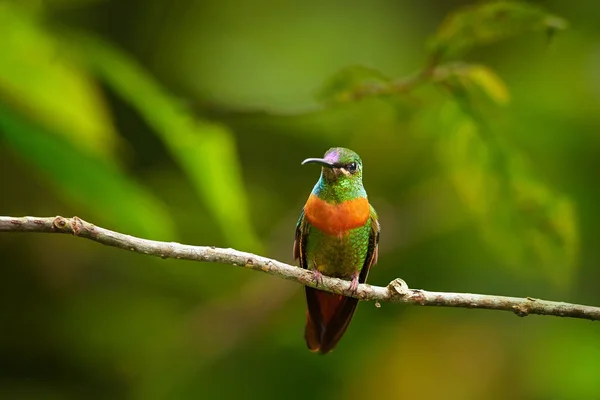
(341, 175)
(339, 164)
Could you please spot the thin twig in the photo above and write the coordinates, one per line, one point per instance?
(401, 85)
(396, 292)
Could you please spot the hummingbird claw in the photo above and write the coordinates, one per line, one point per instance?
(317, 277)
(354, 284)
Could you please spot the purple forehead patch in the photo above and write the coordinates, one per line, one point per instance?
(333, 156)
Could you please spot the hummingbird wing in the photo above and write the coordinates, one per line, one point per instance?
(300, 240)
(312, 332)
(329, 315)
(373, 252)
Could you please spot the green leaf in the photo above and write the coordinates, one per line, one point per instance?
(88, 182)
(486, 23)
(352, 83)
(482, 77)
(38, 77)
(487, 80)
(528, 225)
(205, 151)
(465, 77)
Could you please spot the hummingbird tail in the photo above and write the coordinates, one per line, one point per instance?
(327, 318)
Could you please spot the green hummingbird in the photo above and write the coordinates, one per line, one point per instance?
(337, 235)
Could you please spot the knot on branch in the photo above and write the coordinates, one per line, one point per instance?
(396, 291)
(398, 288)
(60, 224)
(523, 309)
(76, 225)
(73, 225)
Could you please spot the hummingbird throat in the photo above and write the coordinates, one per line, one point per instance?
(337, 218)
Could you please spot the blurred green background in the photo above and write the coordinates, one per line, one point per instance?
(187, 121)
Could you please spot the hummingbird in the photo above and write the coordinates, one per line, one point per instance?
(337, 235)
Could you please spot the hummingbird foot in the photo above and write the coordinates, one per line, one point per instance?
(354, 284)
(317, 277)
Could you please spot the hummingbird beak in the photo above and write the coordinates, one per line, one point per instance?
(320, 161)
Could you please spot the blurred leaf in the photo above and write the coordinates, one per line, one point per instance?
(486, 79)
(87, 181)
(486, 23)
(39, 78)
(524, 221)
(552, 230)
(352, 83)
(205, 151)
(476, 75)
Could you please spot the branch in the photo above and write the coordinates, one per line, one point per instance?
(430, 71)
(396, 292)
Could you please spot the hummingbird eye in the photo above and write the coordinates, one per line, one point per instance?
(351, 167)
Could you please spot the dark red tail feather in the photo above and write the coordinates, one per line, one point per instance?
(327, 318)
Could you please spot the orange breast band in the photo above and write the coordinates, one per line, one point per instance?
(335, 219)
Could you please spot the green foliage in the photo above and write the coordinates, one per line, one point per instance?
(36, 72)
(521, 219)
(352, 83)
(482, 184)
(486, 23)
(528, 225)
(205, 151)
(89, 182)
(471, 76)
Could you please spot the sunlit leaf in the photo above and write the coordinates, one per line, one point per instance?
(38, 77)
(488, 81)
(469, 76)
(486, 23)
(352, 83)
(206, 151)
(88, 182)
(530, 226)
